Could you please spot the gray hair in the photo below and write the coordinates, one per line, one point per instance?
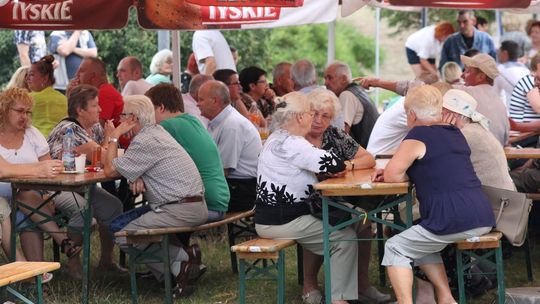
(341, 69)
(159, 59)
(425, 101)
(303, 73)
(279, 70)
(197, 81)
(220, 91)
(323, 99)
(142, 107)
(287, 106)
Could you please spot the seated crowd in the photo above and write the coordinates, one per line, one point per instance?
(196, 156)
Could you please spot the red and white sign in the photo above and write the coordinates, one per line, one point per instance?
(251, 3)
(477, 4)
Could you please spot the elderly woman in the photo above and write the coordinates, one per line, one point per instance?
(51, 105)
(287, 169)
(161, 67)
(158, 166)
(83, 119)
(324, 136)
(21, 143)
(436, 158)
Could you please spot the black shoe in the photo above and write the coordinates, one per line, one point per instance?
(183, 287)
(196, 272)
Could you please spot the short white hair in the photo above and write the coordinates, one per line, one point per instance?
(142, 107)
(425, 101)
(288, 105)
(341, 69)
(303, 73)
(159, 59)
(323, 99)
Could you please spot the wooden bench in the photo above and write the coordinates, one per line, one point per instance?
(261, 250)
(19, 271)
(237, 225)
(491, 245)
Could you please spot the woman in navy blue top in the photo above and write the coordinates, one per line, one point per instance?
(435, 157)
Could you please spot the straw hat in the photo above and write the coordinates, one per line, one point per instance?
(461, 102)
(484, 62)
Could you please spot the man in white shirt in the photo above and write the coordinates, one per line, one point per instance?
(511, 71)
(238, 142)
(130, 75)
(212, 52)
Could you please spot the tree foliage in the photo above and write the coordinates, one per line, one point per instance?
(261, 47)
(399, 20)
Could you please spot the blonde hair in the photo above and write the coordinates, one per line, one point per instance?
(451, 72)
(511, 23)
(142, 107)
(287, 106)
(425, 101)
(323, 99)
(8, 98)
(18, 79)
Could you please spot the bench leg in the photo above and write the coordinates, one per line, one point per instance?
(528, 260)
(132, 275)
(300, 263)
(242, 281)
(39, 289)
(500, 274)
(281, 277)
(460, 274)
(232, 242)
(167, 269)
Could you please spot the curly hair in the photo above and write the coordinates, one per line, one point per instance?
(9, 98)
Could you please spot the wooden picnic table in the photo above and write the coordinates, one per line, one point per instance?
(79, 182)
(517, 136)
(515, 153)
(358, 183)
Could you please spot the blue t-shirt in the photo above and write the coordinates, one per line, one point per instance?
(73, 61)
(450, 193)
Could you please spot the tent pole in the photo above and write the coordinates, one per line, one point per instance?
(377, 50)
(177, 69)
(331, 48)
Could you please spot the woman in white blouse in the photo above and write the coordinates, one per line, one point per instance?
(286, 172)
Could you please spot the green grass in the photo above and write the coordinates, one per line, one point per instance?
(220, 285)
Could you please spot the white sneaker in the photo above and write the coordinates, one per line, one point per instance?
(372, 294)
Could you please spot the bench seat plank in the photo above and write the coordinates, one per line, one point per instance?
(229, 218)
(488, 240)
(18, 271)
(262, 245)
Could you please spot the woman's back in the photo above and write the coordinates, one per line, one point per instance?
(446, 184)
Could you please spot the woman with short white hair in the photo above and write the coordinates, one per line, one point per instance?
(435, 157)
(161, 67)
(286, 172)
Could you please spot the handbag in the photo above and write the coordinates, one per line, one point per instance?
(511, 210)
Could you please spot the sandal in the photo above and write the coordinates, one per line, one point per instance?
(69, 248)
(313, 297)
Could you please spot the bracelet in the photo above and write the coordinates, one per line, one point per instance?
(113, 140)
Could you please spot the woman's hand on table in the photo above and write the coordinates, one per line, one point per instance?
(50, 168)
(378, 175)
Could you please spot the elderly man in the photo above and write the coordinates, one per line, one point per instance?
(304, 76)
(190, 99)
(359, 112)
(468, 37)
(158, 166)
(92, 71)
(200, 146)
(130, 75)
(238, 142)
(283, 82)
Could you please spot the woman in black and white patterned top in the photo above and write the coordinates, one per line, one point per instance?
(286, 173)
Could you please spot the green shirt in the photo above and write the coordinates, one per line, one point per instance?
(190, 134)
(50, 106)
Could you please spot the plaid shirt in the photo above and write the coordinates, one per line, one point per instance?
(35, 40)
(169, 174)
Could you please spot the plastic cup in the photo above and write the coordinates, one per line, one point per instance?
(80, 163)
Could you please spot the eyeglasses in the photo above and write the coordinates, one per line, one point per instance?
(22, 111)
(124, 115)
(234, 83)
(322, 116)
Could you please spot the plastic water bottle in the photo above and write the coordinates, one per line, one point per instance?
(254, 115)
(68, 150)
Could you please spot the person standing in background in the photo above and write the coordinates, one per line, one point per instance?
(70, 48)
(31, 46)
(212, 52)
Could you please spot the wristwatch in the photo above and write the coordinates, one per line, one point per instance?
(113, 140)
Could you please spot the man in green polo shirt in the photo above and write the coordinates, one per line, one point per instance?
(193, 137)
